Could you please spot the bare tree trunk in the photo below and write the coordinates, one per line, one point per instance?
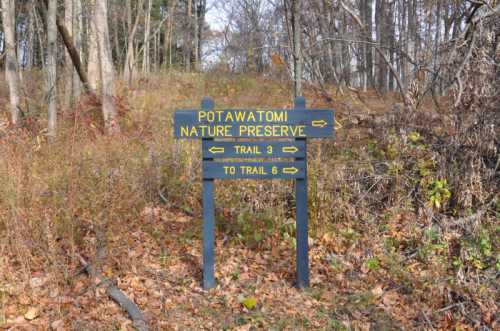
(93, 66)
(147, 33)
(380, 19)
(52, 67)
(30, 48)
(168, 35)
(106, 66)
(129, 68)
(68, 66)
(202, 8)
(346, 56)
(369, 51)
(390, 35)
(188, 36)
(73, 23)
(11, 65)
(297, 54)
(196, 35)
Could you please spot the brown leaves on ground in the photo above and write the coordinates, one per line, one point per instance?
(162, 274)
(376, 263)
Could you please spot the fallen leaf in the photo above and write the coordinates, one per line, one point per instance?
(249, 303)
(17, 320)
(56, 325)
(36, 282)
(31, 314)
(377, 291)
(390, 298)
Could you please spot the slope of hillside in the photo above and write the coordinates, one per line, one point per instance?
(393, 244)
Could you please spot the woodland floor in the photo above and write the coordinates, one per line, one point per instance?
(155, 256)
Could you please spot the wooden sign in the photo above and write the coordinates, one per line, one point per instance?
(254, 149)
(263, 126)
(240, 123)
(254, 170)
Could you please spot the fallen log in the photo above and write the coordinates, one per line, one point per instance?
(118, 296)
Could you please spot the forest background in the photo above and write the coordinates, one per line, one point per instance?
(403, 205)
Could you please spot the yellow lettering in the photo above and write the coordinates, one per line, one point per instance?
(270, 116)
(201, 115)
(229, 170)
(250, 170)
(240, 116)
(193, 132)
(281, 116)
(251, 117)
(184, 131)
(260, 112)
(229, 117)
(284, 130)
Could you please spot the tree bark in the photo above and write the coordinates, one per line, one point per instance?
(11, 65)
(297, 54)
(72, 22)
(380, 20)
(100, 23)
(195, 34)
(202, 8)
(368, 50)
(52, 67)
(129, 68)
(147, 32)
(93, 65)
(188, 36)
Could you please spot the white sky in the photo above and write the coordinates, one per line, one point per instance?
(215, 16)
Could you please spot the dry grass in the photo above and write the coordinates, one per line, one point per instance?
(384, 254)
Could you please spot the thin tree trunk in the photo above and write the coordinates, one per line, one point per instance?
(72, 22)
(188, 40)
(195, 34)
(297, 54)
(147, 33)
(129, 68)
(201, 22)
(77, 39)
(170, 27)
(52, 67)
(11, 65)
(93, 66)
(68, 66)
(106, 67)
(346, 56)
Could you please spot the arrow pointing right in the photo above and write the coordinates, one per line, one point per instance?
(290, 149)
(290, 170)
(319, 123)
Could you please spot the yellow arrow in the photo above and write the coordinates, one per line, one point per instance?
(319, 123)
(215, 150)
(291, 170)
(290, 149)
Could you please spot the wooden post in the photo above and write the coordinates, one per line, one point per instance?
(301, 214)
(208, 216)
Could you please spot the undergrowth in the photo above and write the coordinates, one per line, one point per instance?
(386, 200)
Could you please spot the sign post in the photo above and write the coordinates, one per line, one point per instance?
(292, 126)
(301, 218)
(208, 215)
